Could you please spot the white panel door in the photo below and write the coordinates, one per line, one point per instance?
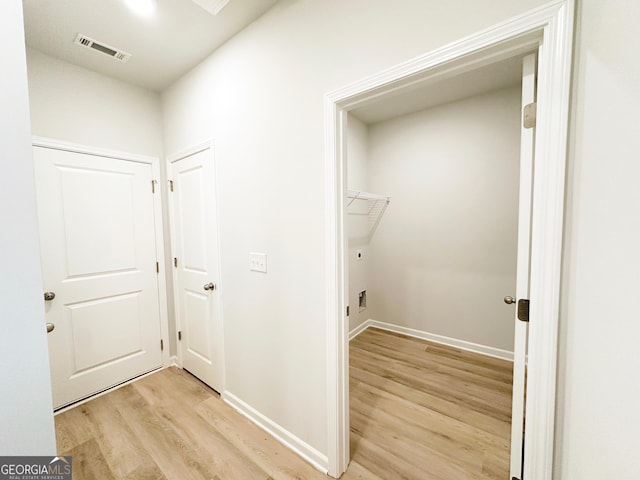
(522, 277)
(196, 267)
(97, 241)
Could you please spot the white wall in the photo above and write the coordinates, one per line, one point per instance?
(357, 225)
(26, 410)
(73, 104)
(444, 254)
(261, 98)
(77, 105)
(599, 387)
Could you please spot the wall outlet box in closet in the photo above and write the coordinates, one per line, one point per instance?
(362, 301)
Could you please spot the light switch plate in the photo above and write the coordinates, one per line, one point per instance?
(258, 262)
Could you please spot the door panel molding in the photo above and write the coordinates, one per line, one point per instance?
(154, 162)
(549, 28)
(210, 353)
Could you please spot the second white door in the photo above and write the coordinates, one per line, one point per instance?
(196, 266)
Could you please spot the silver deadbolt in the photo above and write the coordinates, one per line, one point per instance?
(50, 327)
(48, 296)
(509, 300)
(210, 286)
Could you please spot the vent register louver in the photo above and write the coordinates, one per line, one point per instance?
(87, 42)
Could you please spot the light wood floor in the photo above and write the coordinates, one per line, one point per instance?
(425, 411)
(418, 411)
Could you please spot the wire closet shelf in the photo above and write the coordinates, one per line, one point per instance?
(375, 206)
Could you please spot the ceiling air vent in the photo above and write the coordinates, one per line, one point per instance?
(87, 42)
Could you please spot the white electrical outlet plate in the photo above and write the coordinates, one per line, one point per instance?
(258, 262)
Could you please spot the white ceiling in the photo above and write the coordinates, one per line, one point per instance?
(503, 74)
(163, 47)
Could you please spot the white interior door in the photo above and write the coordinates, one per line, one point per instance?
(196, 267)
(522, 280)
(97, 240)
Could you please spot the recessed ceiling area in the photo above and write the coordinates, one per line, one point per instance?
(163, 46)
(502, 74)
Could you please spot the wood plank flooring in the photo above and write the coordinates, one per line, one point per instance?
(424, 411)
(418, 411)
(171, 426)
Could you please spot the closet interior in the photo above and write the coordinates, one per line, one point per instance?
(432, 209)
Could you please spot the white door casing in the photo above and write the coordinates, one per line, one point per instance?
(527, 136)
(549, 27)
(98, 236)
(196, 268)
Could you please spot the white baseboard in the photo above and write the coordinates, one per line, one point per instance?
(359, 329)
(288, 439)
(173, 361)
(432, 337)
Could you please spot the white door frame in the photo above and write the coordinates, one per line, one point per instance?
(157, 212)
(218, 308)
(551, 28)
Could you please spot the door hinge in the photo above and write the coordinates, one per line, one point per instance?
(175, 261)
(157, 267)
(347, 310)
(153, 186)
(171, 185)
(179, 334)
(161, 345)
(529, 115)
(523, 309)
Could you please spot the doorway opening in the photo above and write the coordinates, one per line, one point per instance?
(437, 265)
(548, 30)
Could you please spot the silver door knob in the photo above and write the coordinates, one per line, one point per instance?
(210, 286)
(48, 296)
(509, 300)
(50, 327)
